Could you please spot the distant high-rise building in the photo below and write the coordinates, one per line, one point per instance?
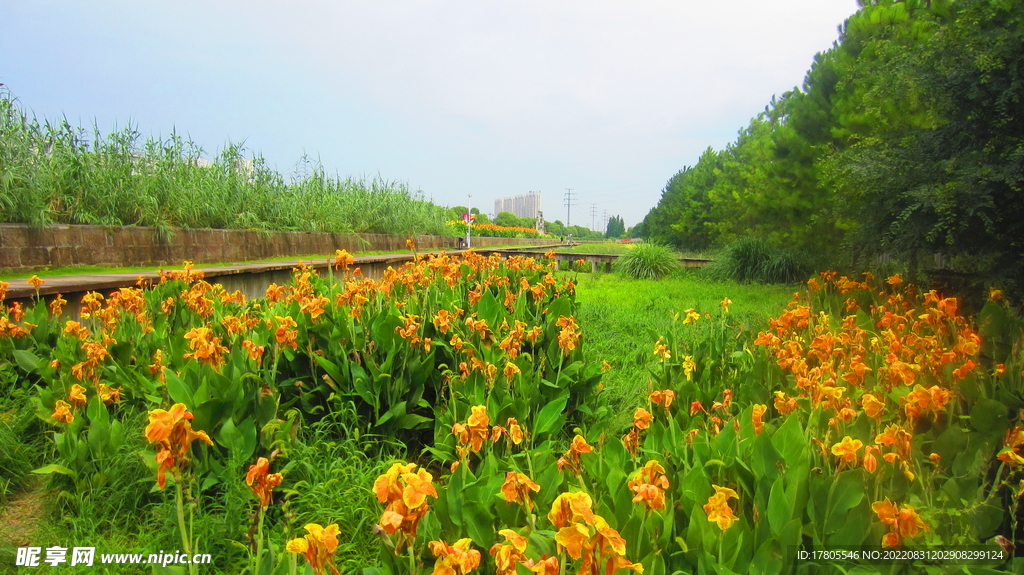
(523, 206)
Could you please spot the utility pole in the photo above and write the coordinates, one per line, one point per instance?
(568, 205)
(469, 218)
(593, 216)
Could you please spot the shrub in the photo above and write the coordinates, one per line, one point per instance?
(648, 261)
(756, 260)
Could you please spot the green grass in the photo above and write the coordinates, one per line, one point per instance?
(621, 319)
(756, 260)
(58, 173)
(648, 261)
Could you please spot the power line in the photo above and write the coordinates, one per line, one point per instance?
(568, 205)
(593, 215)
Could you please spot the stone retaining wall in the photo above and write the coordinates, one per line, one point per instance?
(28, 249)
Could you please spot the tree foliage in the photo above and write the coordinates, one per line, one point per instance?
(906, 139)
(616, 228)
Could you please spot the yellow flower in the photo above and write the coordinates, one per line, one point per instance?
(688, 367)
(317, 547)
(725, 303)
(571, 507)
(847, 449)
(718, 510)
(661, 350)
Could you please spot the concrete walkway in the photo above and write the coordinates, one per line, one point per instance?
(20, 288)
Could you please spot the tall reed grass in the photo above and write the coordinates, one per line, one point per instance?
(54, 172)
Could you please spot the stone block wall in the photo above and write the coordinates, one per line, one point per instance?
(28, 249)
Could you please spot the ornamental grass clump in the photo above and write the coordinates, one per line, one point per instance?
(756, 260)
(648, 261)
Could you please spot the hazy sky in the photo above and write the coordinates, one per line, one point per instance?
(453, 97)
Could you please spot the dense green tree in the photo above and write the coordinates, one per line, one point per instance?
(616, 228)
(906, 138)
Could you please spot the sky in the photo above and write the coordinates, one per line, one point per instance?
(454, 98)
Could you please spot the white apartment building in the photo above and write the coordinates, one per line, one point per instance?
(523, 206)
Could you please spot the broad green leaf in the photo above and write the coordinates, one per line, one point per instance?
(780, 507)
(26, 360)
(989, 415)
(549, 417)
(54, 468)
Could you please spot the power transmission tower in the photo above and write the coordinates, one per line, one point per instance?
(568, 205)
(605, 220)
(593, 216)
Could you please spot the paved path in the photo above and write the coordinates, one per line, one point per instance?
(20, 288)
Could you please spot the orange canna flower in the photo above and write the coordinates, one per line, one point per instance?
(649, 484)
(507, 555)
(895, 279)
(62, 412)
(869, 461)
(517, 488)
(571, 458)
(317, 547)
(342, 259)
(510, 370)
(173, 434)
(57, 305)
(77, 395)
(205, 347)
(725, 303)
(631, 441)
(405, 494)
(872, 405)
(571, 507)
(262, 481)
(457, 559)
(902, 522)
(662, 397)
(515, 431)
(755, 416)
(1011, 451)
(108, 394)
(962, 371)
(642, 418)
(477, 426)
(544, 566)
(718, 510)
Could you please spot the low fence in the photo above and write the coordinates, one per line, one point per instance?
(28, 249)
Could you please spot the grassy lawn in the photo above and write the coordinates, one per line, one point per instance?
(622, 318)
